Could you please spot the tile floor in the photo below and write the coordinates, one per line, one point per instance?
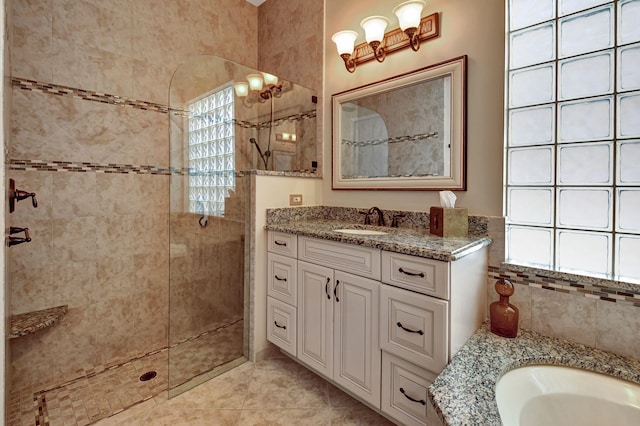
(276, 391)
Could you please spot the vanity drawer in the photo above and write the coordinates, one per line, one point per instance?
(358, 260)
(281, 243)
(282, 273)
(414, 327)
(404, 390)
(419, 274)
(281, 325)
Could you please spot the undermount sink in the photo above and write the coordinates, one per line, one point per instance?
(556, 395)
(360, 231)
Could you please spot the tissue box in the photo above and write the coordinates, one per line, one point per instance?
(449, 222)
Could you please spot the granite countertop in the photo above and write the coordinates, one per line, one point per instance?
(399, 240)
(464, 393)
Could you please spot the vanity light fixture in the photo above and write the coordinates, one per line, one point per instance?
(374, 27)
(413, 30)
(258, 88)
(408, 14)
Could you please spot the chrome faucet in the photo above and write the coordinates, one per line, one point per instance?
(381, 221)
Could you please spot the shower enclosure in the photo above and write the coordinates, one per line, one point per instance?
(221, 131)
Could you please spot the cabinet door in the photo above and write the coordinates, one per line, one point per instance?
(356, 340)
(315, 317)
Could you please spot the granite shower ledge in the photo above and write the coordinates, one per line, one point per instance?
(30, 322)
(399, 240)
(464, 393)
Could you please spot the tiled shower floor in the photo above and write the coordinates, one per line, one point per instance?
(99, 395)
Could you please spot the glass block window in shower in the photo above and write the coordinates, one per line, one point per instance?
(211, 151)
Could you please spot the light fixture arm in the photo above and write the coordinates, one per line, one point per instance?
(378, 51)
(349, 63)
(414, 41)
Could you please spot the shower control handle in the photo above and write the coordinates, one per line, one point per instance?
(13, 241)
(21, 195)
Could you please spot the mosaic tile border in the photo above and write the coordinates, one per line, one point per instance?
(106, 98)
(89, 95)
(567, 286)
(68, 166)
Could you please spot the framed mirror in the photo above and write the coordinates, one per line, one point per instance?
(406, 132)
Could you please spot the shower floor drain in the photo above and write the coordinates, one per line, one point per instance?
(148, 376)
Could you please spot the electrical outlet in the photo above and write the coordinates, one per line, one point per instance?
(295, 199)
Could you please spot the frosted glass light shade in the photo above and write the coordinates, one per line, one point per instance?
(374, 27)
(255, 81)
(408, 13)
(269, 79)
(345, 41)
(241, 88)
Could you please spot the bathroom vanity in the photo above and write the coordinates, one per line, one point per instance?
(378, 315)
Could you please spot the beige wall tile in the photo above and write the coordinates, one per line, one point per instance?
(31, 54)
(617, 326)
(74, 195)
(74, 239)
(563, 315)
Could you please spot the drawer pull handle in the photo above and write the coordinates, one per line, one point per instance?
(411, 274)
(326, 289)
(280, 243)
(280, 326)
(421, 401)
(399, 324)
(335, 290)
(279, 279)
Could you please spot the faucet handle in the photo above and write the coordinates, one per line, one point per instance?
(394, 219)
(367, 217)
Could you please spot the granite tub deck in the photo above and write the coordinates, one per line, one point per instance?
(400, 240)
(464, 393)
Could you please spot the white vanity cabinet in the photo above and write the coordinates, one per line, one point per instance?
(380, 324)
(338, 315)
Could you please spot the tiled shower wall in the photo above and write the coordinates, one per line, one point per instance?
(290, 33)
(100, 232)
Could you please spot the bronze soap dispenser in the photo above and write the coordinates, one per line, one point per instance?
(503, 315)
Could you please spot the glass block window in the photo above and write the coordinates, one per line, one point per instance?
(572, 184)
(211, 152)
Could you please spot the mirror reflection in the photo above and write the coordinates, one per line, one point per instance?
(405, 132)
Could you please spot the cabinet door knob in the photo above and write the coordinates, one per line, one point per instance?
(411, 274)
(420, 332)
(279, 279)
(335, 291)
(420, 401)
(280, 326)
(280, 243)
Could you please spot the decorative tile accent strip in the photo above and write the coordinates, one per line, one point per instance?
(71, 92)
(67, 166)
(611, 291)
(411, 138)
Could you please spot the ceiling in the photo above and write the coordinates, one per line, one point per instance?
(256, 2)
